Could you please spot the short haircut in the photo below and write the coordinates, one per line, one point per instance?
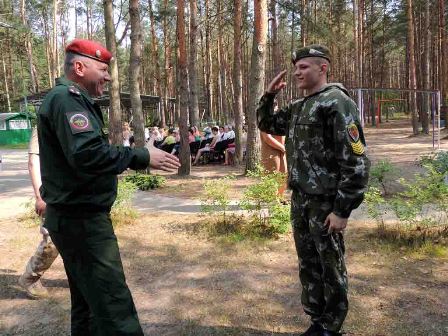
(70, 58)
(319, 61)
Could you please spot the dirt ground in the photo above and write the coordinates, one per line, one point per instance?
(185, 282)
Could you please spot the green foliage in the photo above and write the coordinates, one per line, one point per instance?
(216, 197)
(122, 212)
(421, 208)
(145, 182)
(383, 173)
(263, 202)
(439, 161)
(30, 217)
(375, 204)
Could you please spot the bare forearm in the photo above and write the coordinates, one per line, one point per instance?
(34, 170)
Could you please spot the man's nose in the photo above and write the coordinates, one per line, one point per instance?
(107, 78)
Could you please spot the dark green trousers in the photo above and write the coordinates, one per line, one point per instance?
(321, 256)
(101, 301)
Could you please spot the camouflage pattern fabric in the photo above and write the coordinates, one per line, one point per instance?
(322, 269)
(42, 259)
(328, 172)
(324, 145)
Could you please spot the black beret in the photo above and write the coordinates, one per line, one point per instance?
(313, 50)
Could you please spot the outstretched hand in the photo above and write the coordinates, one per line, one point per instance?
(160, 159)
(277, 83)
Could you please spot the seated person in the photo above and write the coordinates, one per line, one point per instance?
(208, 147)
(168, 143)
(176, 146)
(191, 136)
(229, 153)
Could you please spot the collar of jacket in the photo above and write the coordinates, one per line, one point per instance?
(66, 82)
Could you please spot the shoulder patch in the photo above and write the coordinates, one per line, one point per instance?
(74, 90)
(353, 132)
(79, 122)
(355, 142)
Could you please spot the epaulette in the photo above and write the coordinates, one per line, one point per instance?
(74, 90)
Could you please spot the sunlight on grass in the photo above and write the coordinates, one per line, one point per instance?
(429, 249)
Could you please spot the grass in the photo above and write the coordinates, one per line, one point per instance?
(14, 146)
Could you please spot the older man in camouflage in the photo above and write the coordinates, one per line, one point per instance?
(328, 174)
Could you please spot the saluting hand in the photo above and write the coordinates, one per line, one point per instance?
(277, 83)
(160, 159)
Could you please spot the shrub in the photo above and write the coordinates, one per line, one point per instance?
(421, 208)
(122, 211)
(216, 196)
(30, 217)
(263, 202)
(382, 173)
(145, 182)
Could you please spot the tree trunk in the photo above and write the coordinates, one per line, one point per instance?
(443, 50)
(115, 122)
(155, 56)
(184, 155)
(134, 73)
(28, 47)
(208, 55)
(412, 76)
(55, 65)
(238, 81)
(257, 75)
(192, 69)
(426, 34)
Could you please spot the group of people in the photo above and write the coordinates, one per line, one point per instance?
(74, 173)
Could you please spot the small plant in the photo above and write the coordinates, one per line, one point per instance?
(145, 182)
(122, 211)
(216, 196)
(421, 208)
(30, 218)
(383, 173)
(263, 201)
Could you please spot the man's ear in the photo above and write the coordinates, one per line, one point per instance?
(78, 68)
(324, 67)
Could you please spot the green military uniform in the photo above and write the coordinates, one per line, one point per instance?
(328, 172)
(79, 184)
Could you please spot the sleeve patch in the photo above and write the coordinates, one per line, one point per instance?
(79, 122)
(357, 147)
(353, 132)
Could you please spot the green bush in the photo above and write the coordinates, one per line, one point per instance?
(421, 208)
(263, 202)
(216, 196)
(145, 182)
(382, 173)
(122, 211)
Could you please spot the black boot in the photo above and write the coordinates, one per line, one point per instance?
(314, 330)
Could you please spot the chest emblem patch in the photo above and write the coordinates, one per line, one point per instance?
(79, 122)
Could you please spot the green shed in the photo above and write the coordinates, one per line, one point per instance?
(15, 128)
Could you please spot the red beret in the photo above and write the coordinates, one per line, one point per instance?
(89, 49)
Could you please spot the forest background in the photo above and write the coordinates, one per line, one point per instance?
(216, 56)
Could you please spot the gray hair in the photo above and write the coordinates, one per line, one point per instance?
(70, 58)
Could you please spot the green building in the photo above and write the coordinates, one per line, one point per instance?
(15, 128)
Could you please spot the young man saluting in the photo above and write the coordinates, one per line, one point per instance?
(328, 174)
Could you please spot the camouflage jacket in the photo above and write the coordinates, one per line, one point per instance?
(324, 145)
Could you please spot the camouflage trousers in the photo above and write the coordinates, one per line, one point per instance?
(42, 259)
(321, 256)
